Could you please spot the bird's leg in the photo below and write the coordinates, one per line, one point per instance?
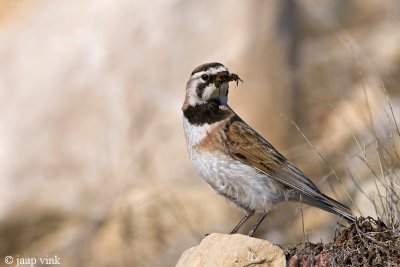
(255, 226)
(242, 221)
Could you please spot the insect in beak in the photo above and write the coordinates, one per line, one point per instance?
(228, 77)
(235, 77)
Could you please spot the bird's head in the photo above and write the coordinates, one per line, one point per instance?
(209, 82)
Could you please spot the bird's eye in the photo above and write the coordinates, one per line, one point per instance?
(205, 77)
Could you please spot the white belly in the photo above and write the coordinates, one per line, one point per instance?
(240, 183)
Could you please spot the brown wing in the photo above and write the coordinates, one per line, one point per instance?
(248, 146)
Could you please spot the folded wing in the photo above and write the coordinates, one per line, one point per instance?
(248, 146)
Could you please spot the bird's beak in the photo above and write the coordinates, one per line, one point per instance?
(222, 77)
(221, 82)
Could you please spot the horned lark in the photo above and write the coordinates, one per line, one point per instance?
(234, 159)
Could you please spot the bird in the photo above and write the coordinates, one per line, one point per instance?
(235, 160)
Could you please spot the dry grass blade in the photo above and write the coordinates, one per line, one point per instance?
(324, 159)
(391, 108)
(342, 116)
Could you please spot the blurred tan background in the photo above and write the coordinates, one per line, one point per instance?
(94, 166)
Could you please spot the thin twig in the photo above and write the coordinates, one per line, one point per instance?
(302, 217)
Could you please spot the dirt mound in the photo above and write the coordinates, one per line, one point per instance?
(366, 242)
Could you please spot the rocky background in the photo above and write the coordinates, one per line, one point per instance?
(94, 167)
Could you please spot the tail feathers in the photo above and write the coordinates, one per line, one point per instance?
(347, 215)
(330, 205)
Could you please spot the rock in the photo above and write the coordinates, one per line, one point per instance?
(232, 250)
